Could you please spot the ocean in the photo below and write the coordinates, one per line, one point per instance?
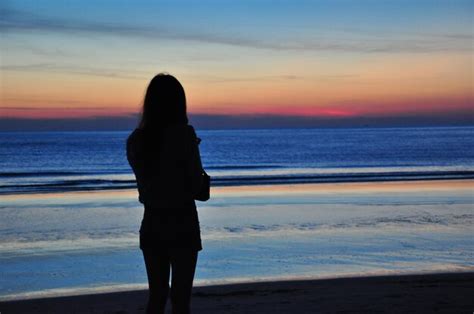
(81, 161)
(288, 203)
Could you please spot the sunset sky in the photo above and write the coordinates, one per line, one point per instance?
(327, 60)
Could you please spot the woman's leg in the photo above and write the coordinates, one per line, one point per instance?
(183, 265)
(158, 271)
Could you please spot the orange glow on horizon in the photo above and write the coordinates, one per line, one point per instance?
(404, 85)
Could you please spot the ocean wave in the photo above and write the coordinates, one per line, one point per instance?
(94, 183)
(54, 173)
(243, 167)
(59, 173)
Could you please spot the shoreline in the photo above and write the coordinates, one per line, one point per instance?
(251, 181)
(123, 288)
(417, 293)
(352, 234)
(443, 183)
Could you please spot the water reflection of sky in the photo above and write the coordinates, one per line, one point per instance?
(63, 241)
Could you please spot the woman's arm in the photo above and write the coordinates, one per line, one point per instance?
(135, 164)
(194, 163)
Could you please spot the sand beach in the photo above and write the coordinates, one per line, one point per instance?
(423, 293)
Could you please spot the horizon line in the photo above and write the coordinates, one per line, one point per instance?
(247, 121)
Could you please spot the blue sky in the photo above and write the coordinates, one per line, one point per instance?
(316, 58)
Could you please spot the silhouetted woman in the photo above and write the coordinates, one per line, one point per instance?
(163, 153)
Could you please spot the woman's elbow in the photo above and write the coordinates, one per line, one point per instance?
(196, 184)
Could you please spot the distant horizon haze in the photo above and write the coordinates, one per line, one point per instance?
(259, 121)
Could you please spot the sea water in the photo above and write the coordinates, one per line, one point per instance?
(80, 161)
(286, 204)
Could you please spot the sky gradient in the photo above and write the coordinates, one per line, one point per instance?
(356, 61)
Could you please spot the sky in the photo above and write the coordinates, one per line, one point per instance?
(242, 63)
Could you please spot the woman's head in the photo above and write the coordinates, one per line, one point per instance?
(164, 103)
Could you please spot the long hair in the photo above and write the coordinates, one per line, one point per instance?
(164, 103)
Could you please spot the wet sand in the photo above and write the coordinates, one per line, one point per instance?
(427, 293)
